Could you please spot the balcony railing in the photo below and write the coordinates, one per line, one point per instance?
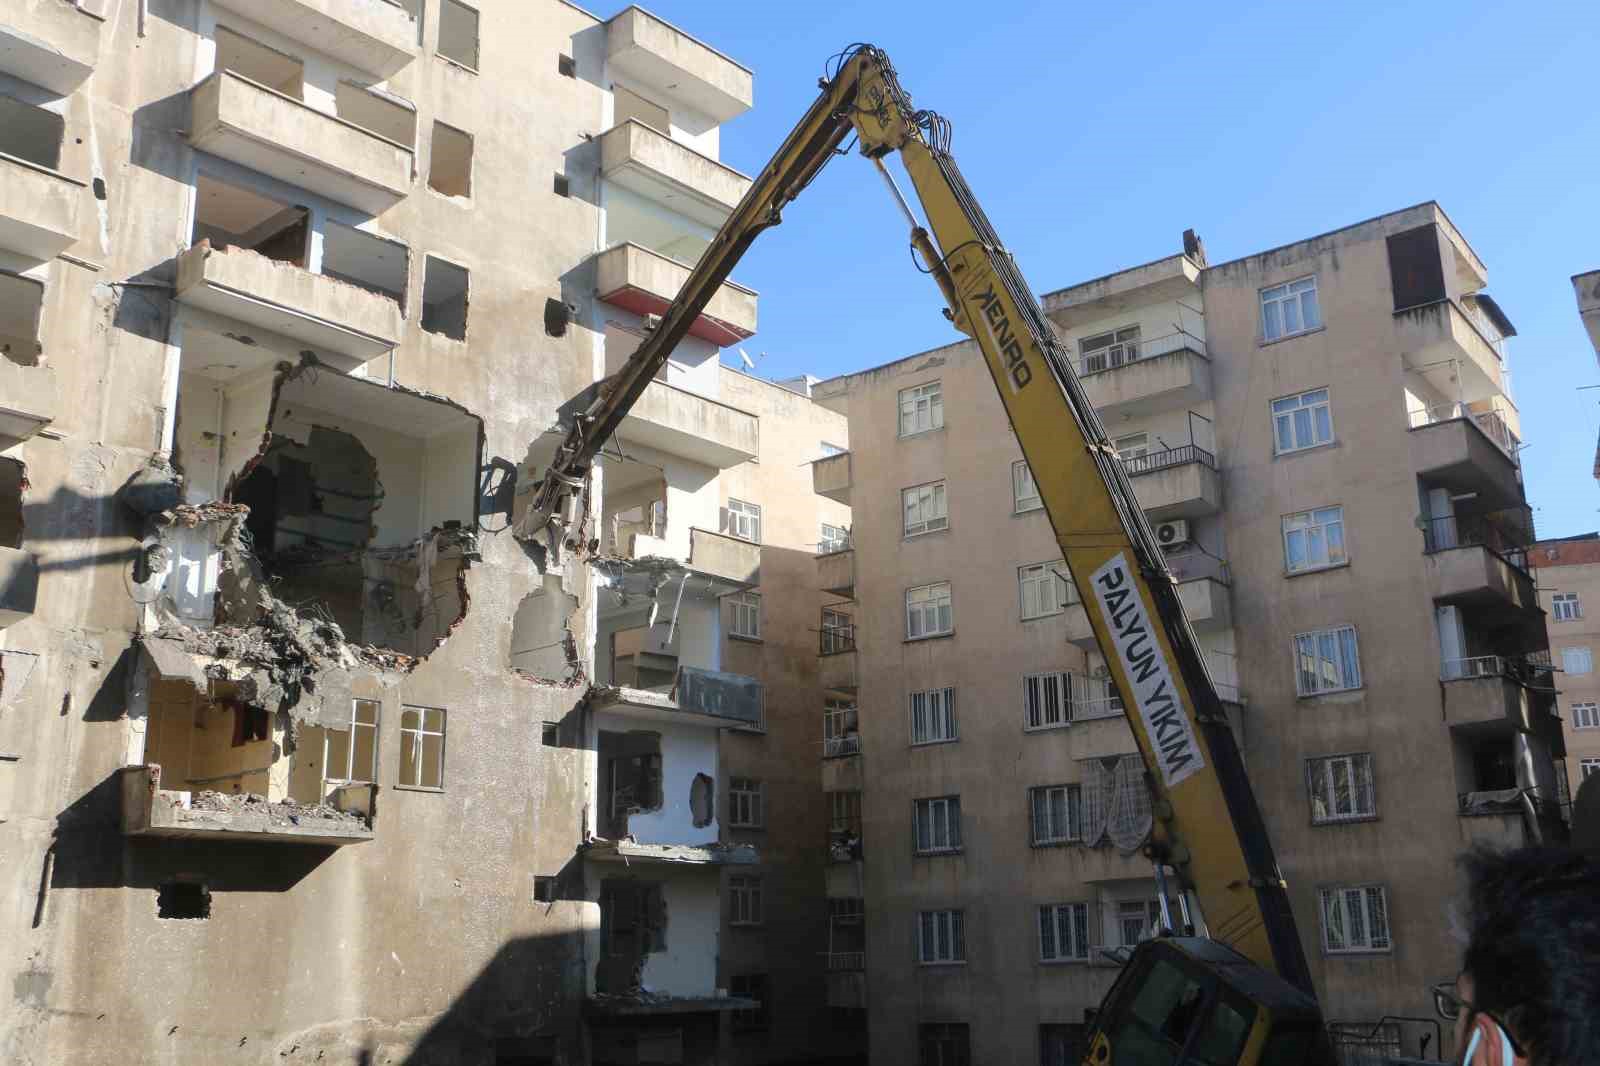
(1492, 423)
(1170, 457)
(1477, 531)
(1533, 669)
(846, 960)
(837, 638)
(1090, 709)
(1128, 352)
(838, 747)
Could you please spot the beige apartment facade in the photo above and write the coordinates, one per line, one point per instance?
(1323, 436)
(1568, 571)
(305, 756)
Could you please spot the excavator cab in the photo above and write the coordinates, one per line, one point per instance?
(1189, 1001)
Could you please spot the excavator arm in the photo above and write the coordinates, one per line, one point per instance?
(1207, 827)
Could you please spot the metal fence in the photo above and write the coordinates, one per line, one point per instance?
(1152, 461)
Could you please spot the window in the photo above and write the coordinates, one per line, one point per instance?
(925, 508)
(841, 728)
(744, 802)
(1314, 540)
(746, 619)
(933, 716)
(1063, 932)
(1105, 351)
(1587, 767)
(838, 632)
(1302, 421)
(444, 299)
(1057, 813)
(1045, 700)
(1355, 918)
(544, 890)
(1565, 607)
(1063, 1044)
(551, 737)
(1137, 920)
(749, 986)
(450, 161)
(1326, 660)
(928, 611)
(744, 520)
(1132, 446)
(421, 747)
(189, 900)
(458, 33)
(944, 1044)
(1585, 716)
(921, 409)
(1024, 493)
(940, 937)
(744, 900)
(1045, 589)
(362, 260)
(938, 824)
(1290, 309)
(1340, 787)
(844, 826)
(834, 539)
(351, 757)
(1577, 660)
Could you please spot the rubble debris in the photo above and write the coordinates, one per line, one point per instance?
(153, 488)
(281, 812)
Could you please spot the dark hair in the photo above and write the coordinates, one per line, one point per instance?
(1534, 952)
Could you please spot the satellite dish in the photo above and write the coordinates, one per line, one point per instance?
(745, 356)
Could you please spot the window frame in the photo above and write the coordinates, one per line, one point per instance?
(939, 704)
(954, 933)
(756, 986)
(1320, 772)
(1311, 517)
(922, 812)
(743, 513)
(949, 610)
(747, 806)
(477, 37)
(938, 492)
(1345, 669)
(934, 392)
(417, 740)
(1588, 768)
(1077, 924)
(1585, 656)
(1063, 683)
(1061, 597)
(1151, 919)
(1367, 916)
(350, 746)
(1021, 473)
(1289, 295)
(833, 539)
(1124, 340)
(1585, 709)
(1288, 413)
(747, 606)
(744, 900)
(1566, 607)
(1072, 808)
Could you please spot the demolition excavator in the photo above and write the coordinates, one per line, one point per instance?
(1229, 984)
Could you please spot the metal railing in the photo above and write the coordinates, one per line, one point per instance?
(846, 960)
(1491, 422)
(1087, 710)
(1519, 668)
(1476, 531)
(836, 638)
(837, 747)
(1153, 461)
(1389, 1038)
(1129, 352)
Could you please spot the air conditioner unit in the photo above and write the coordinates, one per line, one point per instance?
(1173, 533)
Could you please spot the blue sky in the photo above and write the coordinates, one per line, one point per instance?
(1095, 136)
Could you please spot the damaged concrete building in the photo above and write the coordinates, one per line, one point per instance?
(304, 756)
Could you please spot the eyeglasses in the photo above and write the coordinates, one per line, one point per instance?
(1450, 1007)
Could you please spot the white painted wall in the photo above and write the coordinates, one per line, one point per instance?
(688, 966)
(686, 750)
(220, 431)
(697, 640)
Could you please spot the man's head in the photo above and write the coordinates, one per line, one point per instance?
(1533, 960)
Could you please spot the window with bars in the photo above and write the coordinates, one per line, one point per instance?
(1024, 493)
(745, 796)
(1326, 660)
(1057, 813)
(937, 825)
(745, 619)
(1565, 607)
(744, 520)
(925, 507)
(1137, 921)
(1045, 589)
(1045, 700)
(1314, 540)
(1105, 351)
(744, 900)
(921, 409)
(941, 937)
(1577, 660)
(421, 748)
(1355, 918)
(834, 539)
(1302, 421)
(1340, 787)
(841, 727)
(933, 716)
(928, 611)
(1289, 309)
(750, 986)
(1063, 932)
(1585, 716)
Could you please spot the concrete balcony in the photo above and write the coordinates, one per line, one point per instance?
(1176, 483)
(346, 325)
(634, 278)
(843, 773)
(376, 36)
(1207, 603)
(1501, 830)
(730, 564)
(847, 988)
(699, 697)
(1481, 693)
(840, 671)
(257, 127)
(1476, 575)
(668, 61)
(148, 810)
(1457, 454)
(836, 573)
(38, 209)
(49, 43)
(1586, 287)
(830, 477)
(674, 175)
(1171, 373)
(19, 585)
(683, 423)
(1443, 344)
(29, 401)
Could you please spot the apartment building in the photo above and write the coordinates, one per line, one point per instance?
(1324, 438)
(1568, 574)
(305, 756)
(1586, 287)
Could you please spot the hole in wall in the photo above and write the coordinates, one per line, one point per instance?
(542, 641)
(189, 900)
(702, 800)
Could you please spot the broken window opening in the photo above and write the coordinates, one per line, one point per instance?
(230, 215)
(641, 658)
(566, 66)
(211, 742)
(251, 59)
(702, 800)
(563, 185)
(458, 33)
(633, 925)
(444, 299)
(634, 517)
(545, 890)
(13, 478)
(365, 261)
(183, 900)
(377, 111)
(450, 161)
(542, 642)
(632, 762)
(421, 748)
(21, 303)
(557, 317)
(31, 133)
